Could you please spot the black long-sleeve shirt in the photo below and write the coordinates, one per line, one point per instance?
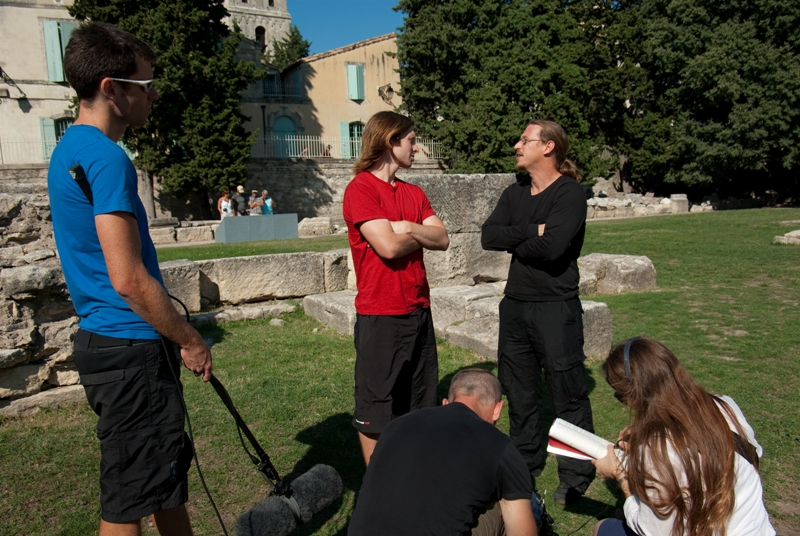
(543, 268)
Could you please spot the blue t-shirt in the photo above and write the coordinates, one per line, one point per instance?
(114, 189)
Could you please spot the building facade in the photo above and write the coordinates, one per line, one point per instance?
(34, 95)
(35, 98)
(318, 106)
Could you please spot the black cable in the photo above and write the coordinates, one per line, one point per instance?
(601, 512)
(189, 423)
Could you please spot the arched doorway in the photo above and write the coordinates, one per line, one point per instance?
(285, 136)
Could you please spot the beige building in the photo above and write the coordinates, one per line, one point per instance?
(34, 95)
(318, 106)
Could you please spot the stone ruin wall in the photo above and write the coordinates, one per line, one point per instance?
(37, 320)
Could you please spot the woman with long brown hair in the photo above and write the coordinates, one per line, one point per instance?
(691, 459)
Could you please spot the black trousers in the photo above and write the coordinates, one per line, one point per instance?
(536, 337)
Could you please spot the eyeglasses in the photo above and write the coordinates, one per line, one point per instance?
(523, 140)
(147, 85)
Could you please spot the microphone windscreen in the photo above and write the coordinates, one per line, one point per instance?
(270, 517)
(314, 490)
(317, 489)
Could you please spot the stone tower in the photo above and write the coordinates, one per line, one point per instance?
(260, 20)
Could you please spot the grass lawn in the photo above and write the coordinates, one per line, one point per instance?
(727, 304)
(241, 249)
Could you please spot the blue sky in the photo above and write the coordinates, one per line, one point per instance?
(331, 24)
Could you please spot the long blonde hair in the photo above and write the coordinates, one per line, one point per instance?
(382, 130)
(669, 408)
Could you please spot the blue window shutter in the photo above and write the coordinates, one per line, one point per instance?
(344, 137)
(65, 32)
(360, 81)
(355, 82)
(48, 129)
(52, 48)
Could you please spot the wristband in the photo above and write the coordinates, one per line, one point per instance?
(621, 480)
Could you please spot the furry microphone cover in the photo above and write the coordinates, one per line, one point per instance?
(320, 487)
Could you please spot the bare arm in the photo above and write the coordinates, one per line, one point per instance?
(387, 244)
(119, 239)
(430, 235)
(518, 517)
(610, 467)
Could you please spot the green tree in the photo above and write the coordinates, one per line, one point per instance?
(289, 49)
(719, 107)
(473, 74)
(195, 141)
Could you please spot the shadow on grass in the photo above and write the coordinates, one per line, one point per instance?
(333, 442)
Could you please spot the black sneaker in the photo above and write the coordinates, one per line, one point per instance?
(566, 495)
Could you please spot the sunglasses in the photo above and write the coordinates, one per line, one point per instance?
(147, 85)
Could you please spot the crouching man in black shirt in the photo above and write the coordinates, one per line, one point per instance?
(447, 470)
(541, 221)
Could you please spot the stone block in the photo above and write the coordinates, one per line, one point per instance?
(617, 274)
(182, 279)
(11, 256)
(590, 212)
(485, 307)
(194, 234)
(588, 281)
(163, 222)
(477, 334)
(39, 255)
(625, 212)
(314, 227)
(680, 203)
(449, 304)
(25, 279)
(351, 272)
(661, 209)
(250, 312)
(265, 277)
(58, 337)
(463, 202)
(334, 309)
(13, 356)
(23, 380)
(52, 398)
(9, 204)
(209, 290)
(786, 239)
(336, 271)
(597, 329)
(643, 210)
(465, 262)
(17, 334)
(163, 235)
(64, 376)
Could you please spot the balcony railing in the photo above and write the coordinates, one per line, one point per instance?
(25, 151)
(294, 146)
(283, 90)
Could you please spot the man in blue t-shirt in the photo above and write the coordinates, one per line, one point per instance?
(129, 372)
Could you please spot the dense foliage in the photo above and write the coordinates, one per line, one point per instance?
(698, 96)
(195, 141)
(289, 49)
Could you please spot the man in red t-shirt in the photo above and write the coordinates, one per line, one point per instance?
(388, 223)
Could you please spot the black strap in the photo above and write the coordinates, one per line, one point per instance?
(745, 450)
(262, 463)
(79, 175)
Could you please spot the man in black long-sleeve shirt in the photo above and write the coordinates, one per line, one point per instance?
(541, 222)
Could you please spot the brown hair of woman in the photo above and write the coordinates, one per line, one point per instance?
(669, 408)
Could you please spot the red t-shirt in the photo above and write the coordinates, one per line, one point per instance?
(386, 286)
